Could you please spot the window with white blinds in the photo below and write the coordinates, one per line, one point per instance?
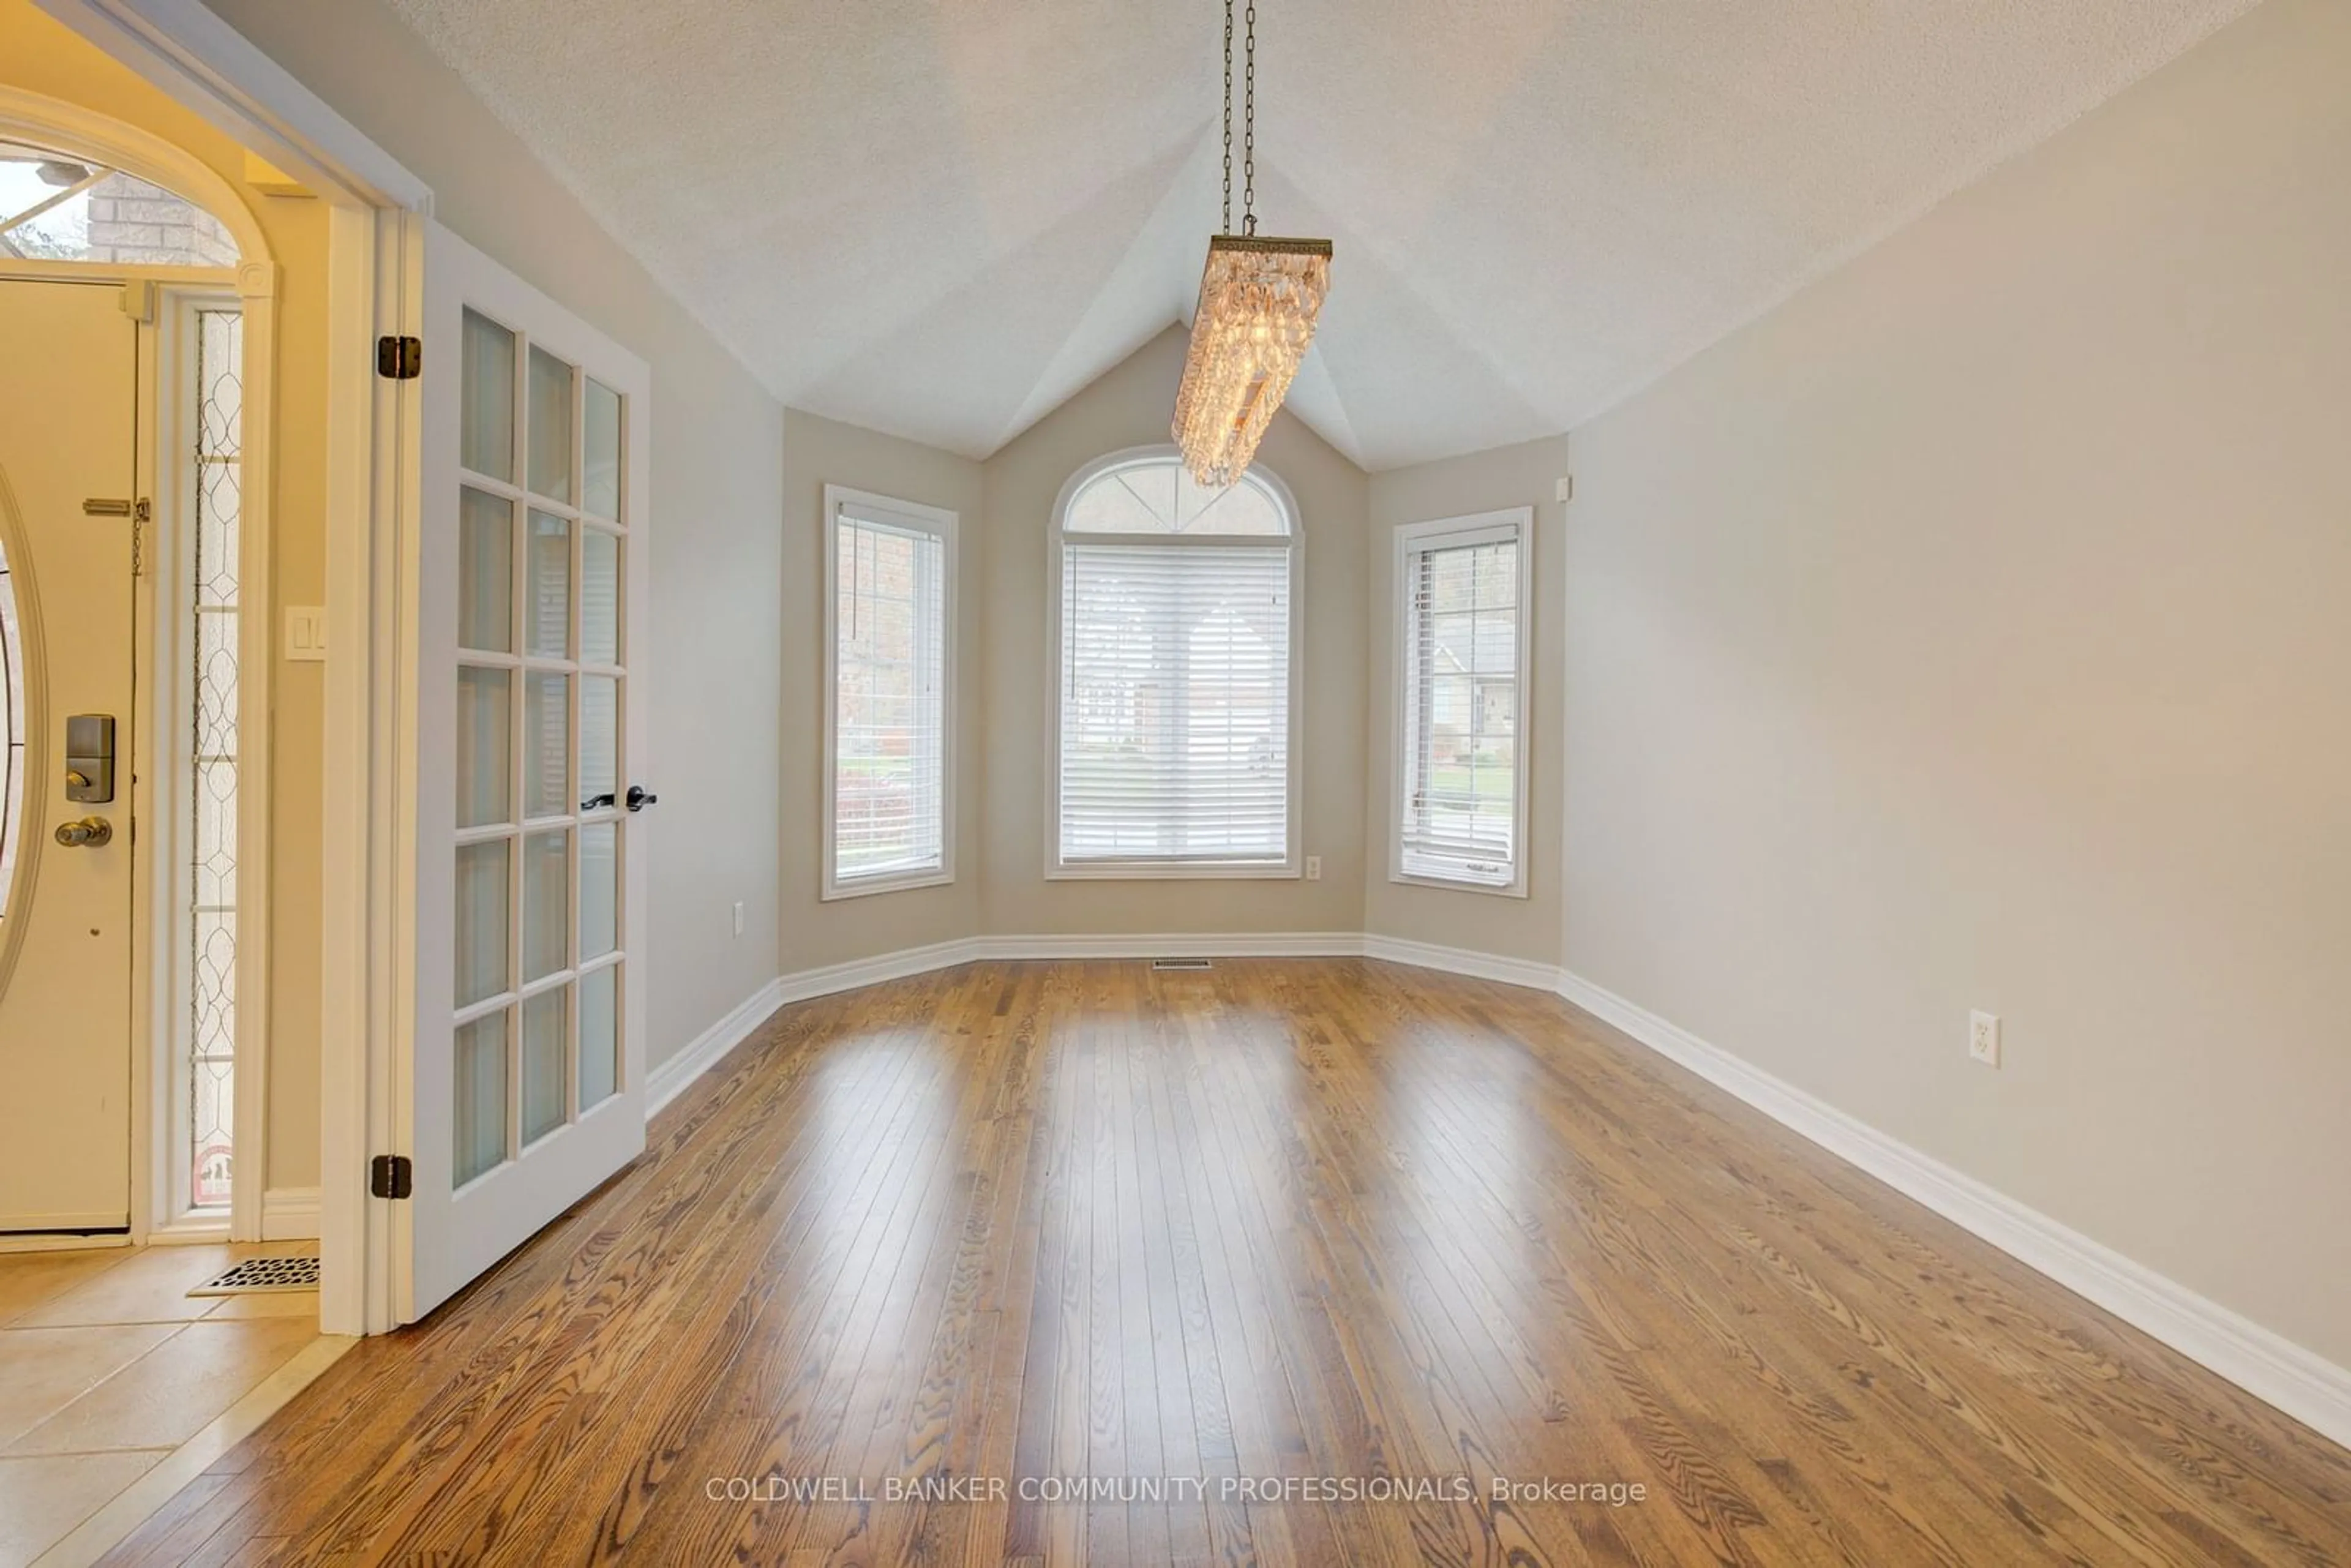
(1174, 732)
(1461, 685)
(889, 576)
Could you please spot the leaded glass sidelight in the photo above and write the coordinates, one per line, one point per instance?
(216, 491)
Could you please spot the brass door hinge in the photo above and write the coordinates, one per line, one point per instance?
(400, 359)
(391, 1175)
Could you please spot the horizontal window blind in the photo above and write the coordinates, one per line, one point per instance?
(1462, 671)
(1174, 705)
(889, 710)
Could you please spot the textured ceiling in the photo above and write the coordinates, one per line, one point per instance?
(940, 218)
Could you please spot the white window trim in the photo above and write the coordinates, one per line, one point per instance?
(943, 523)
(1410, 537)
(1291, 867)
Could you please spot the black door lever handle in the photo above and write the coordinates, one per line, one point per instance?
(639, 797)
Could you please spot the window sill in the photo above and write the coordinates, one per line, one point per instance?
(1421, 879)
(900, 882)
(1172, 871)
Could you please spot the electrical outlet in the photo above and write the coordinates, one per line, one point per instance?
(1314, 868)
(1983, 1039)
(738, 917)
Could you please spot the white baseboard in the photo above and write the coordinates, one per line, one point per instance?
(1175, 944)
(909, 961)
(1462, 961)
(668, 1081)
(290, 1214)
(2301, 1382)
(1170, 945)
(830, 978)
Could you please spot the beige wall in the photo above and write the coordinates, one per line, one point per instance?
(42, 56)
(717, 490)
(1972, 633)
(1526, 474)
(817, 453)
(1130, 406)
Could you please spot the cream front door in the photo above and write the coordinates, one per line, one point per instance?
(527, 1087)
(68, 400)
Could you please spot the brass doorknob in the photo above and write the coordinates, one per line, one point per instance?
(90, 831)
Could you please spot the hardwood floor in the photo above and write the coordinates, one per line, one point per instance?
(1314, 1223)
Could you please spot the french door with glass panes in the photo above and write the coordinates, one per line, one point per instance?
(528, 1079)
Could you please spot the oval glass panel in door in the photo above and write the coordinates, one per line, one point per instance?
(12, 735)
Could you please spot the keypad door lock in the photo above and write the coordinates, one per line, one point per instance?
(90, 758)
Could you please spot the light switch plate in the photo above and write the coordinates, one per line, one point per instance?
(305, 632)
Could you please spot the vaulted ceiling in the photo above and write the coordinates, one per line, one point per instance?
(941, 218)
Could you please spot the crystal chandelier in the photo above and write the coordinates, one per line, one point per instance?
(1259, 299)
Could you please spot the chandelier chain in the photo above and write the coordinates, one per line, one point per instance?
(1229, 116)
(1249, 123)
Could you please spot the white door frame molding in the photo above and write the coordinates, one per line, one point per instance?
(375, 287)
(213, 71)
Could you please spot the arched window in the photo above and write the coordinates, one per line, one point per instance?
(1176, 637)
(59, 207)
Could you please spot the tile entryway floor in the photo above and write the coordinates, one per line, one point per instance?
(108, 1366)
